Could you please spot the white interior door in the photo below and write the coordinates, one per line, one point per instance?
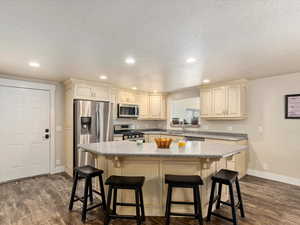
(24, 116)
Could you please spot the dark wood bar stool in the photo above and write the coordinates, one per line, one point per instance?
(226, 177)
(129, 183)
(179, 181)
(87, 173)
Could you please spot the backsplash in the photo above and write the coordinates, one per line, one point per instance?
(142, 124)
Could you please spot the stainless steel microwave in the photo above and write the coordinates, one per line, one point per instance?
(128, 111)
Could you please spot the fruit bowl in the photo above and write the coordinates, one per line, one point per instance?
(163, 142)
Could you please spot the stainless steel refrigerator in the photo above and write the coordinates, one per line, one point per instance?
(92, 124)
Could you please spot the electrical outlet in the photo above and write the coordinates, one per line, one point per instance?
(57, 162)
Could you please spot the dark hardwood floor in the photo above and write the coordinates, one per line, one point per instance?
(44, 201)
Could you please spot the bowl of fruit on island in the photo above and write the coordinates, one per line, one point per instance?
(163, 142)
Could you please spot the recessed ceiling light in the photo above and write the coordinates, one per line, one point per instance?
(134, 88)
(130, 60)
(154, 91)
(206, 81)
(34, 64)
(103, 77)
(191, 60)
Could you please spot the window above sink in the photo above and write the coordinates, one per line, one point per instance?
(185, 112)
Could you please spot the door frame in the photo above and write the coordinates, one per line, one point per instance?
(46, 87)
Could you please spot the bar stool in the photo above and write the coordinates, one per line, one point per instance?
(129, 183)
(87, 173)
(226, 177)
(179, 181)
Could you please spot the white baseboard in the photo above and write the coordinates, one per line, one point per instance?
(58, 169)
(273, 176)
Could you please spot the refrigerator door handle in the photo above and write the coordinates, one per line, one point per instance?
(97, 123)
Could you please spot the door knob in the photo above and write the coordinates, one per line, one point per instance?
(47, 136)
(47, 130)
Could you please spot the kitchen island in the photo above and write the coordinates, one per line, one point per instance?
(196, 158)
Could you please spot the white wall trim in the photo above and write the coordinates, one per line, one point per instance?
(39, 86)
(273, 176)
(58, 169)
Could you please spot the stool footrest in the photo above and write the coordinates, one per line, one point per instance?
(182, 203)
(125, 204)
(122, 217)
(181, 214)
(94, 206)
(78, 199)
(221, 216)
(228, 204)
(216, 199)
(97, 192)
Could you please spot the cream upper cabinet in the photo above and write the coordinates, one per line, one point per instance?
(143, 102)
(219, 101)
(101, 93)
(85, 91)
(205, 102)
(226, 101)
(114, 100)
(233, 101)
(157, 106)
(126, 97)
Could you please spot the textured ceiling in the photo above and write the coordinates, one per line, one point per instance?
(84, 39)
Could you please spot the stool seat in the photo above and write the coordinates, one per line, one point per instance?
(125, 181)
(183, 180)
(225, 176)
(88, 171)
(228, 178)
(128, 183)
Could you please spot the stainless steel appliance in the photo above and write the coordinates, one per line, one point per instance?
(129, 133)
(92, 124)
(128, 111)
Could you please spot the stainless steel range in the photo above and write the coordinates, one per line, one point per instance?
(128, 132)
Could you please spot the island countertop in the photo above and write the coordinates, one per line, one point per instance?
(192, 149)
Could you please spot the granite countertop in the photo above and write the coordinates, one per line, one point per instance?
(192, 149)
(200, 134)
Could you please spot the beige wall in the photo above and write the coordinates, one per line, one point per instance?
(59, 115)
(274, 141)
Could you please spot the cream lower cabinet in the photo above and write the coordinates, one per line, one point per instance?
(151, 137)
(154, 170)
(224, 102)
(238, 162)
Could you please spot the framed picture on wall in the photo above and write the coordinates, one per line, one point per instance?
(292, 106)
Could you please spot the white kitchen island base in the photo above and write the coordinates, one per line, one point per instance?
(197, 158)
(154, 189)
